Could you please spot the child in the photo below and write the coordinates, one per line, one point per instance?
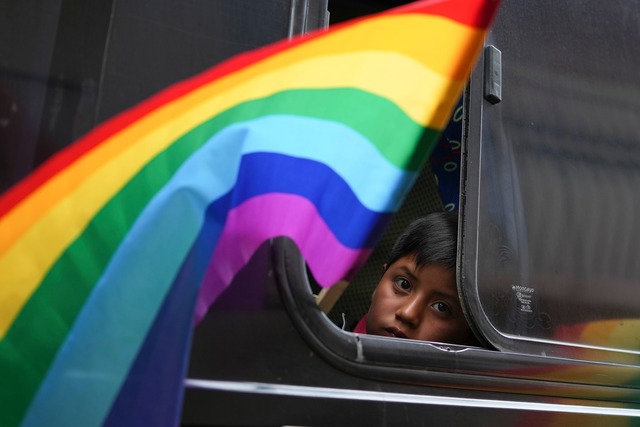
(417, 296)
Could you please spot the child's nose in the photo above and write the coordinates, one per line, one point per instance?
(410, 311)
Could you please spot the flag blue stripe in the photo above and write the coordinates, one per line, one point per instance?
(369, 174)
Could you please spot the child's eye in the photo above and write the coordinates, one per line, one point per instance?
(441, 307)
(403, 283)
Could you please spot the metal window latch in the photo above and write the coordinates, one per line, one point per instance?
(492, 74)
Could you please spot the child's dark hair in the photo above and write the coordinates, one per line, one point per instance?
(432, 239)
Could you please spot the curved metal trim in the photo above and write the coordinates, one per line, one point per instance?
(433, 364)
(388, 397)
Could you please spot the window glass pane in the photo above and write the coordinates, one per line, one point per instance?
(552, 238)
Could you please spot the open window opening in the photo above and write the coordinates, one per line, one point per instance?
(435, 190)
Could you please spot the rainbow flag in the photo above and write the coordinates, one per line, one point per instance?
(110, 249)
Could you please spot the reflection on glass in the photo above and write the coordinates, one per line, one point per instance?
(560, 172)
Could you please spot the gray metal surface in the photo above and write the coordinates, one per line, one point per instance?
(68, 65)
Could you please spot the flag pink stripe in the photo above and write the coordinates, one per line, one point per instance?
(273, 215)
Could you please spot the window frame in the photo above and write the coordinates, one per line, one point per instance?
(441, 365)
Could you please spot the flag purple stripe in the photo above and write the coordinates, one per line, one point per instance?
(273, 215)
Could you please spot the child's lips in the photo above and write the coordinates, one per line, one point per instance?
(396, 332)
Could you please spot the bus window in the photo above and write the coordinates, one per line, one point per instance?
(436, 189)
(356, 298)
(551, 238)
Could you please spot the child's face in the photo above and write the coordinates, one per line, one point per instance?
(418, 304)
